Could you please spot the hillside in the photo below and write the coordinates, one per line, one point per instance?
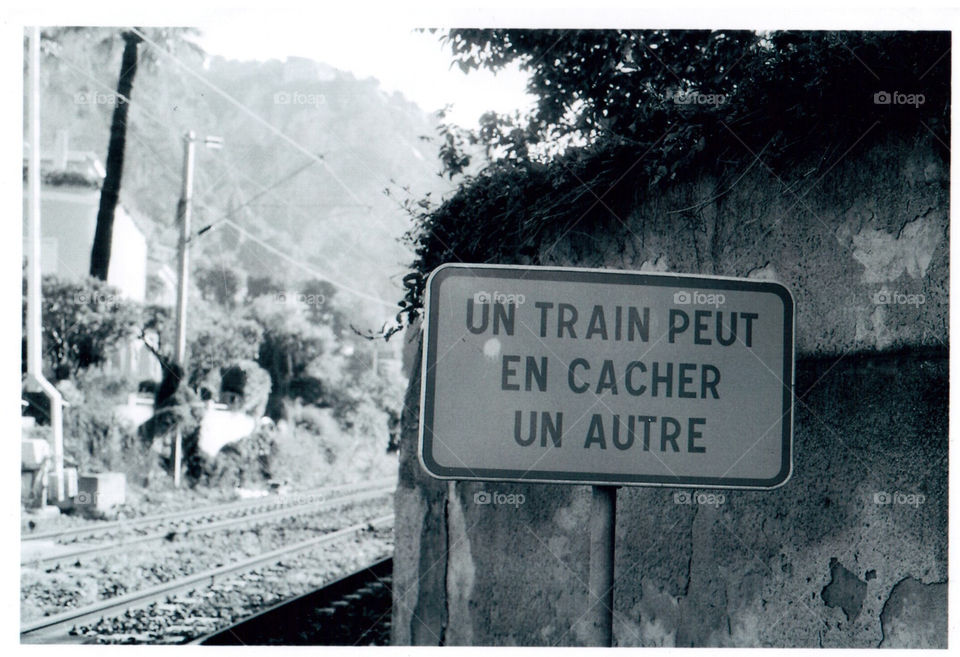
(330, 211)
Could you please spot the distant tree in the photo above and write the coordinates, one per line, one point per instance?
(219, 283)
(214, 338)
(260, 286)
(219, 339)
(289, 346)
(317, 295)
(82, 321)
(244, 378)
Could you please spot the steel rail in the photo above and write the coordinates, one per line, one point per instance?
(137, 599)
(217, 525)
(214, 509)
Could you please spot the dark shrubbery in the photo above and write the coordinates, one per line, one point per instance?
(613, 122)
(243, 379)
(263, 351)
(95, 437)
(243, 463)
(82, 321)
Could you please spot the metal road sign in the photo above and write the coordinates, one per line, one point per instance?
(605, 377)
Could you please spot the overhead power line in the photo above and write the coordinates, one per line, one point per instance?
(305, 267)
(246, 110)
(264, 189)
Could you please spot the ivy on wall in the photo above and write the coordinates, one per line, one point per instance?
(620, 114)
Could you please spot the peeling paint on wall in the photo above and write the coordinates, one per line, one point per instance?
(886, 256)
(845, 591)
(915, 615)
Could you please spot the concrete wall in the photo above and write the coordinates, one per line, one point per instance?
(819, 562)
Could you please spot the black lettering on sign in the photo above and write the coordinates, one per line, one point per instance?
(677, 327)
(726, 342)
(647, 421)
(608, 379)
(634, 390)
(748, 333)
(566, 318)
(504, 316)
(509, 372)
(531, 435)
(700, 326)
(484, 317)
(622, 432)
(572, 376)
(669, 435)
(641, 326)
(595, 433)
(709, 378)
(683, 380)
(543, 306)
(598, 324)
(693, 434)
(656, 379)
(551, 426)
(536, 372)
(627, 443)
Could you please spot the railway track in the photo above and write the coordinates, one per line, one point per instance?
(145, 523)
(354, 610)
(57, 627)
(46, 557)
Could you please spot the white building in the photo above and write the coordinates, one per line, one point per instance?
(69, 202)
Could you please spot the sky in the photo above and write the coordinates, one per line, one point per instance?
(414, 63)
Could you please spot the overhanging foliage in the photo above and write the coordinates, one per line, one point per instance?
(622, 113)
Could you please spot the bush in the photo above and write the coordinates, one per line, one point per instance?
(244, 378)
(82, 321)
(311, 418)
(219, 338)
(313, 448)
(94, 437)
(303, 457)
(95, 381)
(97, 440)
(242, 463)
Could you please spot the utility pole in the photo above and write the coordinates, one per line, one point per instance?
(184, 208)
(35, 378)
